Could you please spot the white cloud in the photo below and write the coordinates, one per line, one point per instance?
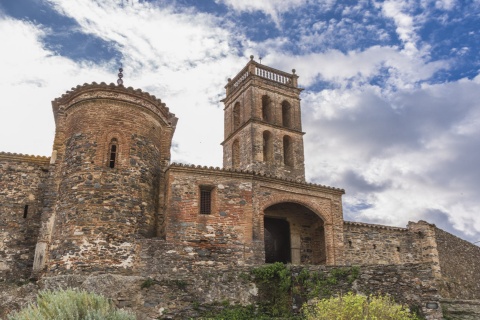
(273, 8)
(32, 76)
(398, 163)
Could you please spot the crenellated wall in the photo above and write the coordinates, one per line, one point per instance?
(22, 180)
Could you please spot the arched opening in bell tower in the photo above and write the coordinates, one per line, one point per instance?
(293, 234)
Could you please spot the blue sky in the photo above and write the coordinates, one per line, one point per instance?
(391, 106)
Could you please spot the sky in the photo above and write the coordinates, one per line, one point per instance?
(391, 106)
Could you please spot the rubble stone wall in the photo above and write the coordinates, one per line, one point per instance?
(459, 266)
(376, 244)
(21, 193)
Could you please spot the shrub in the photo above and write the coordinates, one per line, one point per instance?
(357, 307)
(71, 305)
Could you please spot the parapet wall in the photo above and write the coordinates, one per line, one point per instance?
(21, 192)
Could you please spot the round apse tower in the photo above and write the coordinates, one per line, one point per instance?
(111, 147)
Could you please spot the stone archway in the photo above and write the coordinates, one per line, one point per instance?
(293, 233)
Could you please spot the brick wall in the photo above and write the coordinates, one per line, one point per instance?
(240, 200)
(21, 193)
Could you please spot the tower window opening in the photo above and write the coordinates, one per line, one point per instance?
(236, 116)
(206, 199)
(25, 211)
(266, 109)
(113, 153)
(286, 114)
(267, 146)
(287, 151)
(235, 154)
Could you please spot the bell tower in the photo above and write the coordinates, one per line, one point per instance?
(263, 128)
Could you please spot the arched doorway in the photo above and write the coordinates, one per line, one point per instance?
(293, 234)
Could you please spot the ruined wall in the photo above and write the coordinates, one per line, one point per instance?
(21, 194)
(459, 266)
(376, 244)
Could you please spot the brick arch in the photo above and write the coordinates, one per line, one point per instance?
(321, 210)
(281, 199)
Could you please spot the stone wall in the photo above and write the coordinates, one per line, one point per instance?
(21, 194)
(376, 244)
(459, 266)
(461, 309)
(185, 290)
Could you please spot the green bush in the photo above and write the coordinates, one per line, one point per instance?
(71, 305)
(357, 307)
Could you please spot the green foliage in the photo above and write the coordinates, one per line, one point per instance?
(238, 312)
(357, 307)
(148, 283)
(71, 305)
(318, 284)
(274, 282)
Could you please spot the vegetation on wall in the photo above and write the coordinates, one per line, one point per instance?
(279, 286)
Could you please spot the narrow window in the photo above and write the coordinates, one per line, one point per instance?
(205, 200)
(398, 249)
(113, 153)
(374, 246)
(25, 211)
(236, 116)
(267, 146)
(286, 114)
(266, 109)
(349, 243)
(235, 154)
(287, 151)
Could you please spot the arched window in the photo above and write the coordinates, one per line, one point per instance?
(235, 154)
(267, 109)
(286, 114)
(113, 152)
(267, 146)
(236, 116)
(287, 151)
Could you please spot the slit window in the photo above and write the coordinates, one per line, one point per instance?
(206, 199)
(113, 153)
(25, 211)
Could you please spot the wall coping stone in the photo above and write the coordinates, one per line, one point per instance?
(377, 226)
(34, 159)
(250, 173)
